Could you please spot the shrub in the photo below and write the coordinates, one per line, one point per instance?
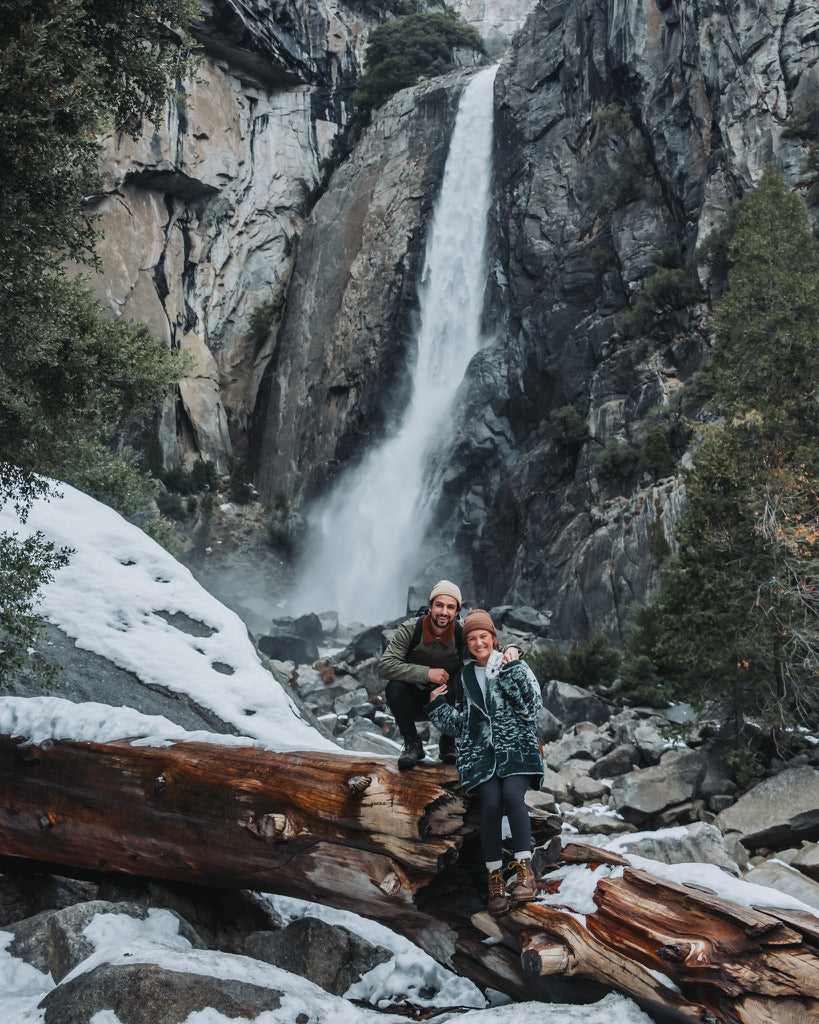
(667, 291)
(617, 460)
(656, 455)
(240, 489)
(566, 430)
(594, 664)
(162, 531)
(399, 51)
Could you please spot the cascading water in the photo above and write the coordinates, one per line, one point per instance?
(366, 537)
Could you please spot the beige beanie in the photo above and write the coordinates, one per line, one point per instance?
(446, 588)
(478, 619)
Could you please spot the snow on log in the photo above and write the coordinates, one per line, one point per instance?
(402, 848)
(681, 948)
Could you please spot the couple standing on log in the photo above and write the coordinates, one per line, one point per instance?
(490, 700)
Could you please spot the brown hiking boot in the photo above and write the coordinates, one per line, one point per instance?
(412, 753)
(498, 903)
(524, 888)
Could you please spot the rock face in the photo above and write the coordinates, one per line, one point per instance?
(337, 365)
(623, 132)
(201, 214)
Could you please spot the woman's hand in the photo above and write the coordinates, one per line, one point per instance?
(439, 691)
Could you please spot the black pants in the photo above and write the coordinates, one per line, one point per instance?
(407, 701)
(499, 797)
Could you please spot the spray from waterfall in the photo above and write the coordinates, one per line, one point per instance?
(367, 535)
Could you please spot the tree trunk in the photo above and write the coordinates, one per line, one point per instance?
(402, 848)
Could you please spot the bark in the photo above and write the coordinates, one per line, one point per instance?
(355, 833)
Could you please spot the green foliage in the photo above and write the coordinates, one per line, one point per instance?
(27, 565)
(656, 455)
(71, 380)
(240, 488)
(398, 52)
(591, 665)
(660, 547)
(162, 531)
(667, 291)
(618, 460)
(203, 475)
(260, 319)
(565, 430)
(734, 625)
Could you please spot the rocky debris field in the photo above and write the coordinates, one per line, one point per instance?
(610, 772)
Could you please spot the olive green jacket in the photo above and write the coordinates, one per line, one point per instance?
(410, 666)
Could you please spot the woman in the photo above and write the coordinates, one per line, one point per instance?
(498, 754)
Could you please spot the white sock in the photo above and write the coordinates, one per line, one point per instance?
(493, 865)
(525, 855)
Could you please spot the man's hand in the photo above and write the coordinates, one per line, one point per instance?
(438, 676)
(511, 654)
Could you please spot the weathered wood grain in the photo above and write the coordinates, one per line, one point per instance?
(355, 833)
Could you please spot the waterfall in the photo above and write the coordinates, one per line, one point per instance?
(366, 536)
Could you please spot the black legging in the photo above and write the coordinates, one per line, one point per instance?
(499, 797)
(407, 702)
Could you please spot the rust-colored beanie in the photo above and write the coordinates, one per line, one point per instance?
(478, 619)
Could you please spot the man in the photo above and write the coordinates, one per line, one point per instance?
(424, 653)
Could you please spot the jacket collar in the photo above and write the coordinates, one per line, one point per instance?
(430, 638)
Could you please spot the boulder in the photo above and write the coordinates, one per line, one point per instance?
(698, 843)
(806, 860)
(328, 955)
(308, 627)
(644, 792)
(587, 745)
(643, 732)
(65, 932)
(289, 648)
(776, 875)
(369, 643)
(140, 992)
(549, 727)
(781, 811)
(616, 762)
(596, 821)
(572, 704)
(522, 618)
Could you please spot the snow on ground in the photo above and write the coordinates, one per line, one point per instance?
(113, 598)
(156, 940)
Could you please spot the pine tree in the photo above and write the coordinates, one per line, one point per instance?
(734, 624)
(71, 379)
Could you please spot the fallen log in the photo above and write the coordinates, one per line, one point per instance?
(332, 828)
(402, 848)
(681, 948)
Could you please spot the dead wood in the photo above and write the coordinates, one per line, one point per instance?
(355, 833)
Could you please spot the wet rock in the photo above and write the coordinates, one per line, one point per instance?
(289, 648)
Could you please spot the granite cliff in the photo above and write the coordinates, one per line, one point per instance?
(622, 132)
